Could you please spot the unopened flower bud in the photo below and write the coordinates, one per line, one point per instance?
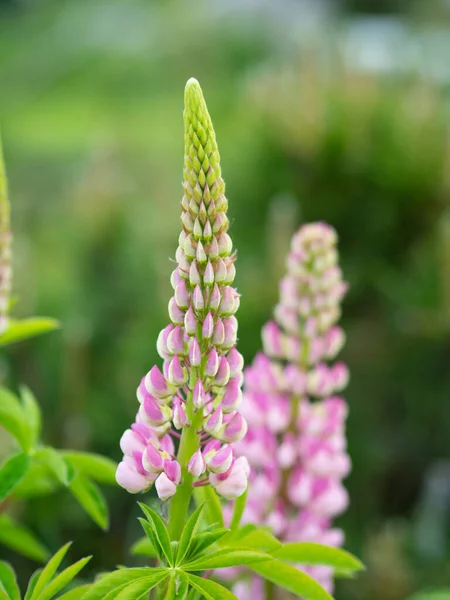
(175, 313)
(177, 373)
(198, 395)
(208, 277)
(234, 430)
(198, 301)
(195, 355)
(213, 422)
(208, 327)
(175, 341)
(219, 461)
(190, 322)
(165, 488)
(223, 372)
(212, 364)
(197, 465)
(156, 384)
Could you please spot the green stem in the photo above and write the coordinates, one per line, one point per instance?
(189, 444)
(269, 590)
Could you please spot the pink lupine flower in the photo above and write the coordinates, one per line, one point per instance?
(198, 388)
(296, 441)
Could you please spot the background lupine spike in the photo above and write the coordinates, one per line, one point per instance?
(5, 247)
(202, 371)
(296, 441)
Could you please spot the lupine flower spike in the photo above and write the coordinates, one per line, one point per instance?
(296, 441)
(5, 249)
(197, 393)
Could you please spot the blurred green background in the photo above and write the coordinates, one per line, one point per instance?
(323, 110)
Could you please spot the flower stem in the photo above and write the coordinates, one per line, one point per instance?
(189, 444)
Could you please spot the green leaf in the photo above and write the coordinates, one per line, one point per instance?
(238, 510)
(63, 579)
(143, 547)
(151, 535)
(205, 539)
(213, 509)
(309, 553)
(21, 540)
(96, 467)
(432, 595)
(23, 329)
(140, 587)
(13, 418)
(12, 471)
(91, 499)
(53, 460)
(8, 582)
(225, 558)
(122, 577)
(290, 579)
(75, 594)
(3, 596)
(188, 533)
(38, 481)
(210, 589)
(32, 414)
(49, 571)
(258, 539)
(32, 584)
(160, 531)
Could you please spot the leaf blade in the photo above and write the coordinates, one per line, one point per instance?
(225, 558)
(8, 581)
(188, 533)
(210, 589)
(12, 471)
(94, 466)
(310, 553)
(63, 579)
(290, 579)
(160, 531)
(91, 499)
(22, 329)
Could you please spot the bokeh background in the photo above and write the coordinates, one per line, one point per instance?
(333, 110)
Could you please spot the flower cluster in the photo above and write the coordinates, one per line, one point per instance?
(199, 387)
(5, 250)
(296, 440)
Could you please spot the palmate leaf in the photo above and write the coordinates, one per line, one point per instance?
(151, 536)
(229, 557)
(160, 531)
(210, 589)
(13, 418)
(205, 540)
(91, 499)
(188, 533)
(290, 579)
(309, 553)
(8, 581)
(140, 587)
(111, 583)
(12, 471)
(64, 578)
(250, 536)
(53, 460)
(23, 329)
(94, 466)
(32, 584)
(21, 540)
(75, 594)
(49, 571)
(32, 413)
